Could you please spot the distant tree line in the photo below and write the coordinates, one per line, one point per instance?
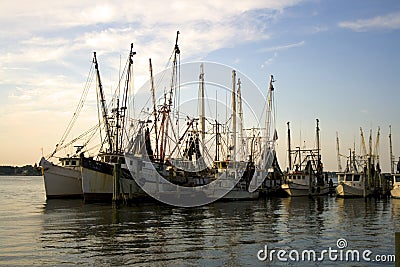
(27, 170)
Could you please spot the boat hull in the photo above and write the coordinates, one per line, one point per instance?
(299, 190)
(61, 182)
(98, 182)
(395, 192)
(345, 190)
(241, 195)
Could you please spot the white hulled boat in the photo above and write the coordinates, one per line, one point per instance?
(361, 178)
(305, 177)
(62, 181)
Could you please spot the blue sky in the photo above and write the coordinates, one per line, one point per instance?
(337, 61)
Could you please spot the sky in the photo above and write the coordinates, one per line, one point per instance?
(334, 60)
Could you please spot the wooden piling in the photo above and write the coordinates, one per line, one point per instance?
(116, 176)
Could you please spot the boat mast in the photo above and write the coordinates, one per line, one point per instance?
(289, 147)
(202, 104)
(364, 148)
(233, 155)
(338, 153)
(154, 103)
(167, 107)
(376, 148)
(391, 150)
(103, 103)
(269, 108)
(125, 100)
(318, 149)
(370, 143)
(240, 112)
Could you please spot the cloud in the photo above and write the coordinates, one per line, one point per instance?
(47, 47)
(282, 47)
(269, 61)
(389, 21)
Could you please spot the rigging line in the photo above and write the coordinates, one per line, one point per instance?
(161, 78)
(99, 116)
(117, 89)
(78, 108)
(94, 128)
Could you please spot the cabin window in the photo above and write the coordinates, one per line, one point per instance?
(73, 163)
(397, 179)
(294, 177)
(347, 178)
(67, 163)
(356, 178)
(303, 177)
(131, 162)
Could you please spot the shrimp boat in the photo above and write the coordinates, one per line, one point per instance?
(63, 178)
(98, 174)
(305, 175)
(62, 181)
(361, 177)
(196, 161)
(395, 175)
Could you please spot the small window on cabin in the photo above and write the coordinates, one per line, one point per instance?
(347, 178)
(73, 162)
(294, 177)
(67, 163)
(131, 162)
(356, 178)
(397, 179)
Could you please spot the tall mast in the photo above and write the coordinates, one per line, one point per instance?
(153, 94)
(289, 147)
(376, 148)
(391, 150)
(269, 108)
(125, 97)
(317, 135)
(233, 155)
(103, 103)
(167, 109)
(174, 72)
(364, 148)
(370, 143)
(202, 104)
(319, 169)
(338, 153)
(240, 112)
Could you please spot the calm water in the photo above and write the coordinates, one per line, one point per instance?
(34, 231)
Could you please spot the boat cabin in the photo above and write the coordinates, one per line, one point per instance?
(349, 177)
(112, 158)
(70, 162)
